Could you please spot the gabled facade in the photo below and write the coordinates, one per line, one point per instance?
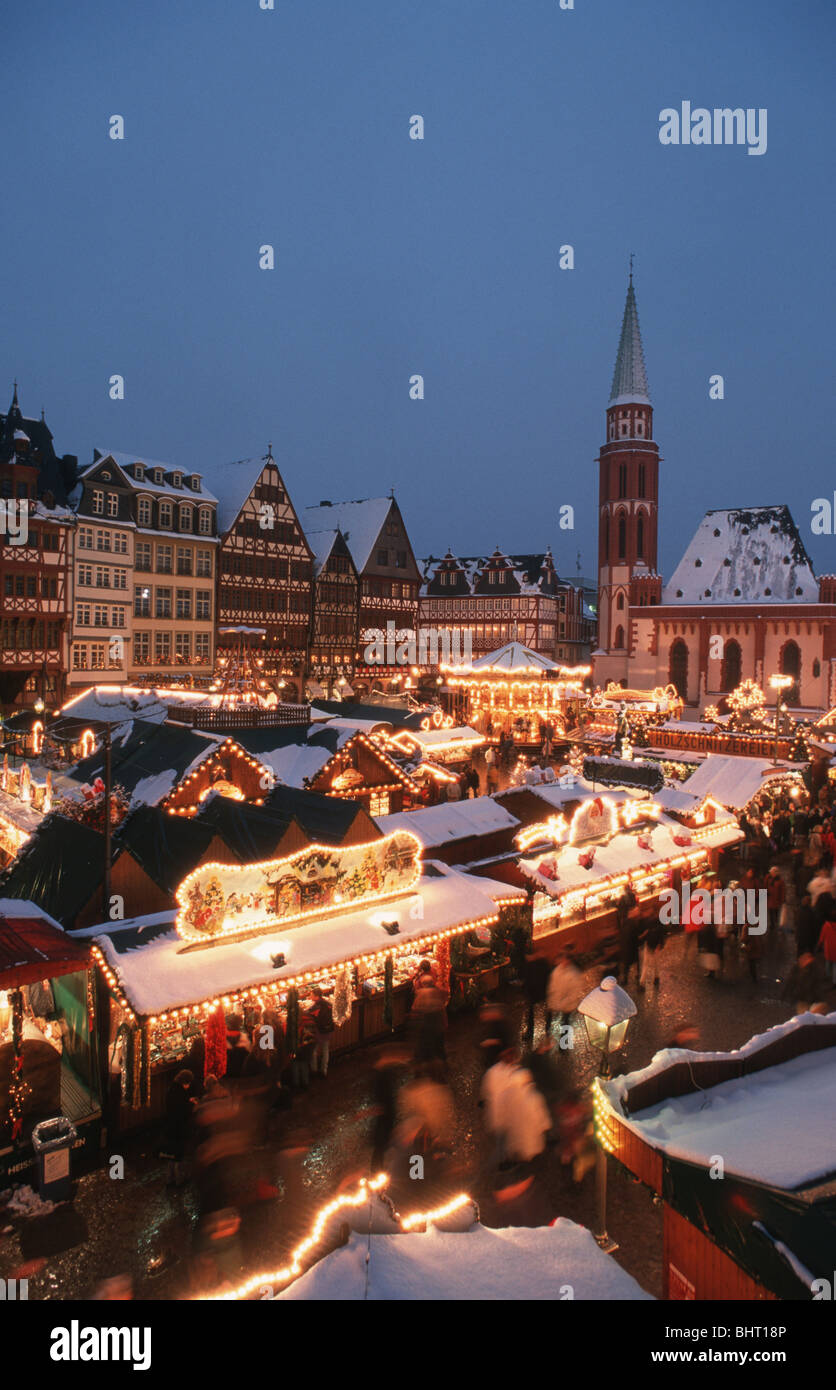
(35, 551)
(389, 576)
(335, 614)
(265, 568)
(504, 598)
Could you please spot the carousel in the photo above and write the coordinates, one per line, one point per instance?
(516, 693)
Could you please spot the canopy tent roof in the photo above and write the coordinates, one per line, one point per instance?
(156, 974)
(516, 1263)
(515, 658)
(33, 947)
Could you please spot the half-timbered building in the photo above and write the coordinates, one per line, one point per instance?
(265, 568)
(334, 615)
(478, 603)
(389, 579)
(35, 545)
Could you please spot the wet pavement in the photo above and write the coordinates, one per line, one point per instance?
(139, 1227)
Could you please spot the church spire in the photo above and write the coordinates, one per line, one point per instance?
(629, 382)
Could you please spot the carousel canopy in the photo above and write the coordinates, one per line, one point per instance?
(514, 658)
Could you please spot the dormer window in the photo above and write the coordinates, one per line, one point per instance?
(143, 511)
(492, 576)
(139, 472)
(194, 482)
(159, 477)
(176, 480)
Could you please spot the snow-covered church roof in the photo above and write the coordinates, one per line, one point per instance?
(744, 555)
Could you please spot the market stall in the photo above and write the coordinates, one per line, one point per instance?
(767, 1230)
(48, 1052)
(257, 939)
(580, 859)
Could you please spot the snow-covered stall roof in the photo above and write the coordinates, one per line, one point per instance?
(157, 974)
(733, 781)
(117, 704)
(513, 1263)
(744, 555)
(361, 523)
(433, 738)
(750, 1119)
(622, 855)
(451, 820)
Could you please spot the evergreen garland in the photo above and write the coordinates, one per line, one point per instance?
(388, 977)
(292, 1024)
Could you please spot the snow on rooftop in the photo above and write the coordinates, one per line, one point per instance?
(744, 555)
(450, 820)
(750, 1118)
(361, 523)
(513, 656)
(294, 762)
(512, 1263)
(732, 781)
(127, 461)
(161, 975)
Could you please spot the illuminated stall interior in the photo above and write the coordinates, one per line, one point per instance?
(255, 939)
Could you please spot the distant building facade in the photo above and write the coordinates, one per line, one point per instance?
(35, 560)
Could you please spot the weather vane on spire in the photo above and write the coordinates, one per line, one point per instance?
(632, 255)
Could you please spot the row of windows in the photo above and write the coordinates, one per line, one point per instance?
(186, 648)
(389, 588)
(88, 539)
(28, 634)
(99, 615)
(101, 577)
(240, 600)
(104, 503)
(48, 539)
(396, 558)
(264, 567)
(26, 586)
(188, 602)
(621, 534)
(164, 558)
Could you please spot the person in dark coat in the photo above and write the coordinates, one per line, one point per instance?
(535, 978)
(177, 1126)
(709, 948)
(497, 1033)
(237, 1048)
(387, 1075)
(806, 928)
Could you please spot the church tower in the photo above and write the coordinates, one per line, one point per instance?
(628, 496)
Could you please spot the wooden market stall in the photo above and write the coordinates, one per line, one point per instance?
(256, 939)
(762, 1224)
(48, 1035)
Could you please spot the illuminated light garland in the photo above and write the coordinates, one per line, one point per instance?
(417, 1219)
(339, 759)
(367, 1188)
(412, 946)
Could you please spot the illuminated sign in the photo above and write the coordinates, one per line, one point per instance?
(224, 900)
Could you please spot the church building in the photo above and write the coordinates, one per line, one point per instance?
(743, 602)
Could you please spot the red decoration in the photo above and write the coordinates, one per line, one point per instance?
(682, 839)
(215, 1054)
(585, 859)
(442, 964)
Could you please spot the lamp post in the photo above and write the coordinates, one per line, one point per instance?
(606, 1012)
(778, 682)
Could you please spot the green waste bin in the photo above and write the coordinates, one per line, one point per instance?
(52, 1141)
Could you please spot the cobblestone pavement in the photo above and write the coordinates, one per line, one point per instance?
(142, 1228)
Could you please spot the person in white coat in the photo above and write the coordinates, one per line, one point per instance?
(565, 990)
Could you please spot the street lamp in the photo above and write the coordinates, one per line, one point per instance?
(606, 1012)
(779, 682)
(39, 706)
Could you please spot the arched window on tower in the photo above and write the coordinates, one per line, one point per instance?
(622, 480)
(619, 603)
(640, 492)
(619, 637)
(622, 536)
(731, 665)
(790, 665)
(640, 536)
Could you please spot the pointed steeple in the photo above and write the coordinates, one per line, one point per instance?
(629, 382)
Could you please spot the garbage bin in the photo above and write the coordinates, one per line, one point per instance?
(52, 1141)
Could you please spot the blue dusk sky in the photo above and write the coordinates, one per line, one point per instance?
(396, 256)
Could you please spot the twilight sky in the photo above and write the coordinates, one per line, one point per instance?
(440, 257)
